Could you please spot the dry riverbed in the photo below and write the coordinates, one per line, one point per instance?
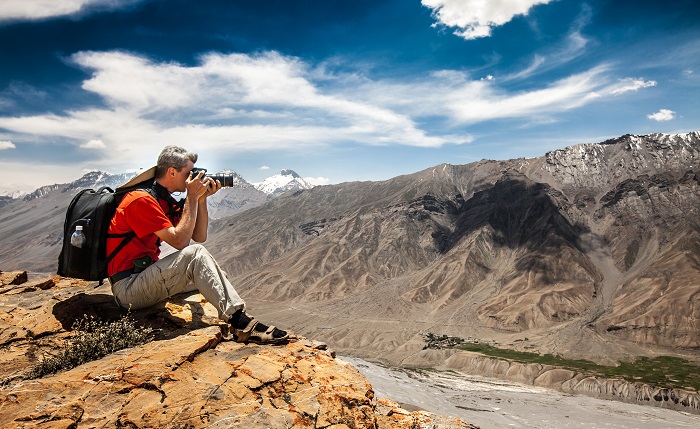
(491, 403)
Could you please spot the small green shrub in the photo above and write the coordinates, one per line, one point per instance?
(93, 339)
(433, 341)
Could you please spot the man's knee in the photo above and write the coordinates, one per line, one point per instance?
(197, 251)
(194, 249)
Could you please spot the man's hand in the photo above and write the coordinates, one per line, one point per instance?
(196, 187)
(213, 187)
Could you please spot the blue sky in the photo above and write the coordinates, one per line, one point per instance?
(336, 90)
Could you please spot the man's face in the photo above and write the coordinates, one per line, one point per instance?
(182, 175)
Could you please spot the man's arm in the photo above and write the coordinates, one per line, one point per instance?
(179, 236)
(202, 222)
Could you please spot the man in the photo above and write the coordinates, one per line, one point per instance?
(140, 279)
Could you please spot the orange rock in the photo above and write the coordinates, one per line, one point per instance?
(190, 377)
(13, 278)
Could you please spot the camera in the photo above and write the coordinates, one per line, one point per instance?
(226, 179)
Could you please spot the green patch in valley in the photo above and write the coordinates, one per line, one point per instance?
(660, 371)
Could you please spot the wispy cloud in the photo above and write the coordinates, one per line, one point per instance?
(264, 167)
(7, 145)
(43, 9)
(631, 84)
(571, 47)
(462, 101)
(475, 19)
(224, 97)
(662, 115)
(268, 101)
(481, 102)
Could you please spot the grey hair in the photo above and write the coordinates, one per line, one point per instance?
(173, 156)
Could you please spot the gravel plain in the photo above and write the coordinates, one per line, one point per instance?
(491, 403)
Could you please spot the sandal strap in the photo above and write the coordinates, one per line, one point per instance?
(245, 333)
(267, 337)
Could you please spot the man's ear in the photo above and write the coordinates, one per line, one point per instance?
(172, 171)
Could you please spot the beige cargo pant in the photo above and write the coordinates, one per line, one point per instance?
(192, 268)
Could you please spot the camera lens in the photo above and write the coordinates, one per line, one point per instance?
(226, 179)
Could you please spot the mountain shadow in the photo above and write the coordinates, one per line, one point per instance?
(513, 245)
(522, 214)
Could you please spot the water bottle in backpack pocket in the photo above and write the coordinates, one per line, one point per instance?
(77, 239)
(79, 249)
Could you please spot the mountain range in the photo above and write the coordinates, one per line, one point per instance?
(243, 195)
(275, 185)
(591, 251)
(31, 226)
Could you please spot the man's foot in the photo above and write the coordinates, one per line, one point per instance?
(246, 329)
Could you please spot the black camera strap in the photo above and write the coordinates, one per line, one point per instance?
(160, 192)
(175, 207)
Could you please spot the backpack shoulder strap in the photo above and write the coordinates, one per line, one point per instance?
(119, 195)
(157, 192)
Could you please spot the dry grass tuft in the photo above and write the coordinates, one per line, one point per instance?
(92, 339)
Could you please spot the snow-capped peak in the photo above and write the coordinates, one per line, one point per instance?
(12, 191)
(285, 180)
(96, 179)
(288, 172)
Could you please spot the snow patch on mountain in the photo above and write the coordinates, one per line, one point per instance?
(93, 179)
(13, 193)
(15, 190)
(97, 179)
(285, 180)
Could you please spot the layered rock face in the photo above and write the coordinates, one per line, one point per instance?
(191, 376)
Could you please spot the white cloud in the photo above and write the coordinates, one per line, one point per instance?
(94, 144)
(43, 9)
(479, 101)
(225, 89)
(461, 101)
(264, 167)
(662, 115)
(631, 84)
(7, 145)
(536, 64)
(254, 103)
(476, 18)
(567, 49)
(317, 181)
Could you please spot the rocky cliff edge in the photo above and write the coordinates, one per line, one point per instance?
(190, 376)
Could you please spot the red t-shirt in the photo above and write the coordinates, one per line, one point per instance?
(141, 213)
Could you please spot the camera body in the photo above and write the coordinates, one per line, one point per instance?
(226, 179)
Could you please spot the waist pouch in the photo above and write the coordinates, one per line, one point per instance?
(141, 264)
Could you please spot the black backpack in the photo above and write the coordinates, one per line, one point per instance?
(94, 211)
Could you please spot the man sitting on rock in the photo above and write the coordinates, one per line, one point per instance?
(140, 279)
